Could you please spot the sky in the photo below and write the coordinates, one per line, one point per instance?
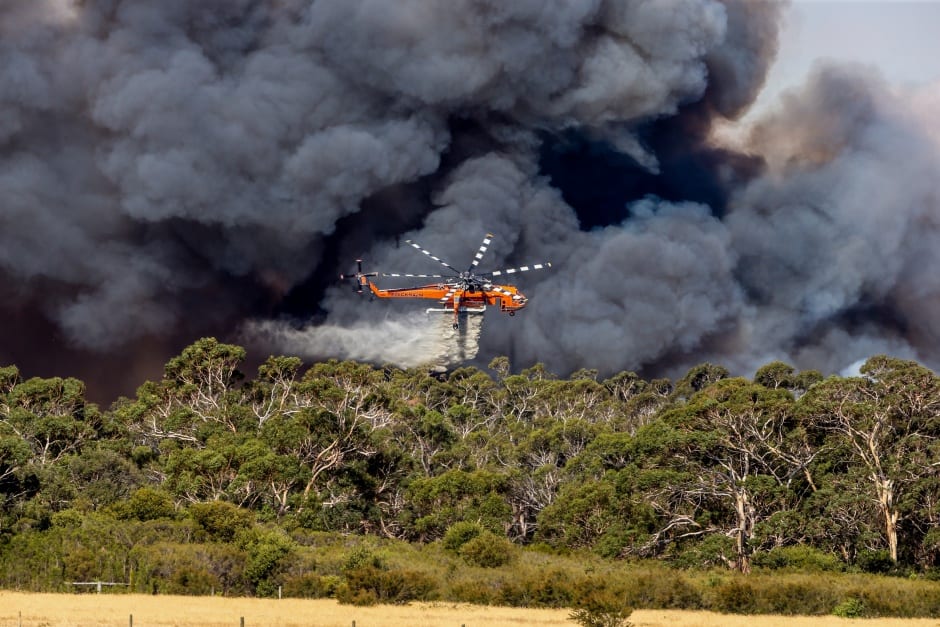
(899, 38)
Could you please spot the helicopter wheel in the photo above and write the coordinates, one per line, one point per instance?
(512, 313)
(456, 326)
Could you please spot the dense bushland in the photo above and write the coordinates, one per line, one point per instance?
(385, 485)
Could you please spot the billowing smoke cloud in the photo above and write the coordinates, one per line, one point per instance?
(179, 168)
(837, 240)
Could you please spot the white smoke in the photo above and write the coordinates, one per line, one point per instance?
(418, 339)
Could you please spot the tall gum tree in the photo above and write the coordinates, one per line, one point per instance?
(888, 419)
(200, 393)
(729, 440)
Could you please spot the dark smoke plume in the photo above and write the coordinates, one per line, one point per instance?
(171, 169)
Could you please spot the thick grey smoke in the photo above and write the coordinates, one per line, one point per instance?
(149, 147)
(822, 261)
(174, 167)
(839, 240)
(825, 259)
(617, 297)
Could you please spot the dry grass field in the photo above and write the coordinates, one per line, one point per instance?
(115, 610)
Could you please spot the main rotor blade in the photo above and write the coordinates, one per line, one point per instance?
(481, 252)
(428, 253)
(414, 276)
(450, 293)
(538, 266)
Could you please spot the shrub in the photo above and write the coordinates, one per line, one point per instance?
(600, 618)
(883, 596)
(68, 518)
(145, 504)
(599, 607)
(183, 568)
(350, 596)
(487, 550)
(806, 597)
(850, 608)
(473, 591)
(710, 551)
(775, 594)
(538, 588)
(550, 589)
(362, 557)
(220, 520)
(459, 534)
(799, 557)
(304, 586)
(142, 455)
(265, 552)
(370, 585)
(192, 581)
(662, 589)
(875, 561)
(736, 597)
(311, 586)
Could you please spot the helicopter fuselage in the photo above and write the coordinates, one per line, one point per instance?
(508, 299)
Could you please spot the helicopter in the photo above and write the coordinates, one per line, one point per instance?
(460, 291)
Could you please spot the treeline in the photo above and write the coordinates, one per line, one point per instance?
(787, 469)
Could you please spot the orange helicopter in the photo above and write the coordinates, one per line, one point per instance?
(466, 290)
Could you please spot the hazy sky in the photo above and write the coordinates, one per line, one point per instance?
(899, 38)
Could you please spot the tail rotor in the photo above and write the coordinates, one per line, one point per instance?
(361, 278)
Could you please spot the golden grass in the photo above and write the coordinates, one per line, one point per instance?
(680, 618)
(114, 610)
(92, 610)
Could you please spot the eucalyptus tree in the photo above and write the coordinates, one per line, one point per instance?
(274, 391)
(697, 379)
(436, 503)
(200, 394)
(50, 415)
(722, 465)
(888, 421)
(778, 374)
(15, 453)
(343, 406)
(638, 401)
(47, 430)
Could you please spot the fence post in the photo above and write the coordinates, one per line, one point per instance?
(130, 621)
(242, 623)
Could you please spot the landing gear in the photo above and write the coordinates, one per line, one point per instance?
(512, 313)
(456, 326)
